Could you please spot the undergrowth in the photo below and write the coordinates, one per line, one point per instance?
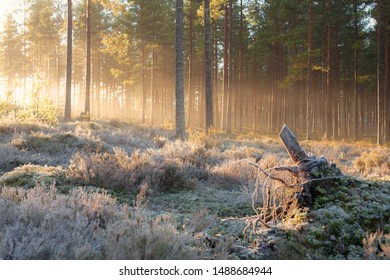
(120, 191)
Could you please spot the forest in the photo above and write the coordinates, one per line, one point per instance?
(320, 66)
(149, 129)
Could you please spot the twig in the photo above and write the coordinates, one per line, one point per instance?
(269, 175)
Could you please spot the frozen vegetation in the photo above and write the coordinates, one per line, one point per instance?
(112, 190)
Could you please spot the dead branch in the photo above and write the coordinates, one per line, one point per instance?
(269, 175)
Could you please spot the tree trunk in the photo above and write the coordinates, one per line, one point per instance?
(379, 128)
(87, 109)
(355, 74)
(180, 119)
(208, 66)
(230, 70)
(68, 95)
(225, 70)
(387, 78)
(191, 80)
(309, 98)
(328, 122)
(240, 72)
(295, 151)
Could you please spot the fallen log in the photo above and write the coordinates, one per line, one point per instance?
(311, 171)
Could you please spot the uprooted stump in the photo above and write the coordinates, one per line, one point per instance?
(312, 172)
(308, 181)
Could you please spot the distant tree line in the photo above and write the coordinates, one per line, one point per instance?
(322, 67)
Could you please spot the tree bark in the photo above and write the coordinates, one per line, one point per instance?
(225, 95)
(379, 128)
(311, 172)
(309, 98)
(180, 119)
(355, 74)
(87, 109)
(297, 154)
(68, 94)
(328, 122)
(208, 66)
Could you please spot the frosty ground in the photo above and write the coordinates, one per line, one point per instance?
(113, 190)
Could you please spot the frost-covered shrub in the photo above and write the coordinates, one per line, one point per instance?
(269, 161)
(41, 223)
(209, 140)
(234, 172)
(55, 143)
(242, 152)
(377, 245)
(160, 141)
(119, 171)
(375, 160)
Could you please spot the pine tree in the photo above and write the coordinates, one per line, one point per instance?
(208, 65)
(180, 121)
(87, 109)
(68, 92)
(11, 57)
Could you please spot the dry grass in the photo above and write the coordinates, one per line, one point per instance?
(377, 245)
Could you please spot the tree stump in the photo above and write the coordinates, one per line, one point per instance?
(312, 172)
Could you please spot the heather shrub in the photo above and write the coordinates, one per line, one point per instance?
(233, 173)
(114, 171)
(208, 140)
(41, 223)
(376, 160)
(160, 141)
(186, 153)
(269, 161)
(55, 143)
(10, 124)
(242, 152)
(119, 171)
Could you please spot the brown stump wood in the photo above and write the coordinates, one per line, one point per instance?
(312, 172)
(297, 154)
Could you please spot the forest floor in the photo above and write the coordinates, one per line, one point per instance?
(112, 190)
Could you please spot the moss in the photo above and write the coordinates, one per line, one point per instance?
(29, 175)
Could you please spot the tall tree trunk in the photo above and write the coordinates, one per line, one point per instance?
(215, 82)
(230, 70)
(240, 72)
(387, 76)
(153, 90)
(143, 81)
(190, 64)
(355, 74)
(225, 70)
(254, 92)
(309, 100)
(87, 109)
(208, 66)
(180, 119)
(328, 122)
(379, 128)
(68, 95)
